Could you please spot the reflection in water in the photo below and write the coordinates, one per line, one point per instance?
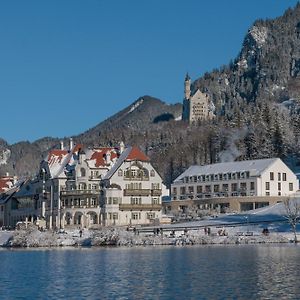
(202, 272)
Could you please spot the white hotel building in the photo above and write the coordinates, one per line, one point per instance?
(234, 186)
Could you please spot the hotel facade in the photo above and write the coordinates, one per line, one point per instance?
(233, 186)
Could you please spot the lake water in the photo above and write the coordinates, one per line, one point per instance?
(196, 272)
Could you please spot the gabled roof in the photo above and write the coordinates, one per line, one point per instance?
(129, 154)
(136, 154)
(255, 167)
(200, 93)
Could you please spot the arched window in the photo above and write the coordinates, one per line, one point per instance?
(152, 173)
(82, 172)
(120, 172)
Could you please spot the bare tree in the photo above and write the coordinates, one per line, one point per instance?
(292, 213)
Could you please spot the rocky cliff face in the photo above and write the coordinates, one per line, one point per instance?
(267, 68)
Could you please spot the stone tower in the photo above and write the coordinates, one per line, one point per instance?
(186, 99)
(187, 87)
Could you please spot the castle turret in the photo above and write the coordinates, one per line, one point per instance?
(187, 87)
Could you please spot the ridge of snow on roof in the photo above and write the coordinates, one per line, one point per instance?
(118, 163)
(129, 154)
(58, 159)
(256, 166)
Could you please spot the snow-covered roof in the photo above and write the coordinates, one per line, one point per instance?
(255, 167)
(129, 154)
(97, 157)
(4, 197)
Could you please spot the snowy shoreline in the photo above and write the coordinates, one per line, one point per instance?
(33, 238)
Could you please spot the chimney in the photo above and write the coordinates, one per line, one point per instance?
(71, 144)
(122, 146)
(7, 174)
(61, 145)
(107, 157)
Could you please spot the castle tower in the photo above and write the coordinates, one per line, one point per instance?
(187, 87)
(186, 99)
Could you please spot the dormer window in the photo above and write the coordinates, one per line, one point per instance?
(152, 173)
(120, 172)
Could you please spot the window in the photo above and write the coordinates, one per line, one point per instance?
(291, 187)
(267, 193)
(191, 189)
(152, 173)
(174, 190)
(182, 190)
(207, 189)
(195, 178)
(252, 185)
(279, 186)
(279, 176)
(155, 186)
(199, 189)
(120, 172)
(267, 186)
(284, 176)
(115, 200)
(216, 188)
(82, 172)
(135, 216)
(271, 175)
(150, 216)
(155, 200)
(243, 186)
(115, 216)
(225, 187)
(136, 200)
(234, 187)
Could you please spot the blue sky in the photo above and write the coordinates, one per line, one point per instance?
(65, 66)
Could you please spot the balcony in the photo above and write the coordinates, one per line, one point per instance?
(79, 192)
(140, 192)
(140, 206)
(156, 192)
(138, 178)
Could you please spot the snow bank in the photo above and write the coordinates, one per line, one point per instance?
(31, 237)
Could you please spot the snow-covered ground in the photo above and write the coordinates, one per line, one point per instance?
(224, 229)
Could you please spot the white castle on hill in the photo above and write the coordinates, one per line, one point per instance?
(197, 106)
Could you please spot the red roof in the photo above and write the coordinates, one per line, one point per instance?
(137, 154)
(57, 153)
(5, 183)
(100, 156)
